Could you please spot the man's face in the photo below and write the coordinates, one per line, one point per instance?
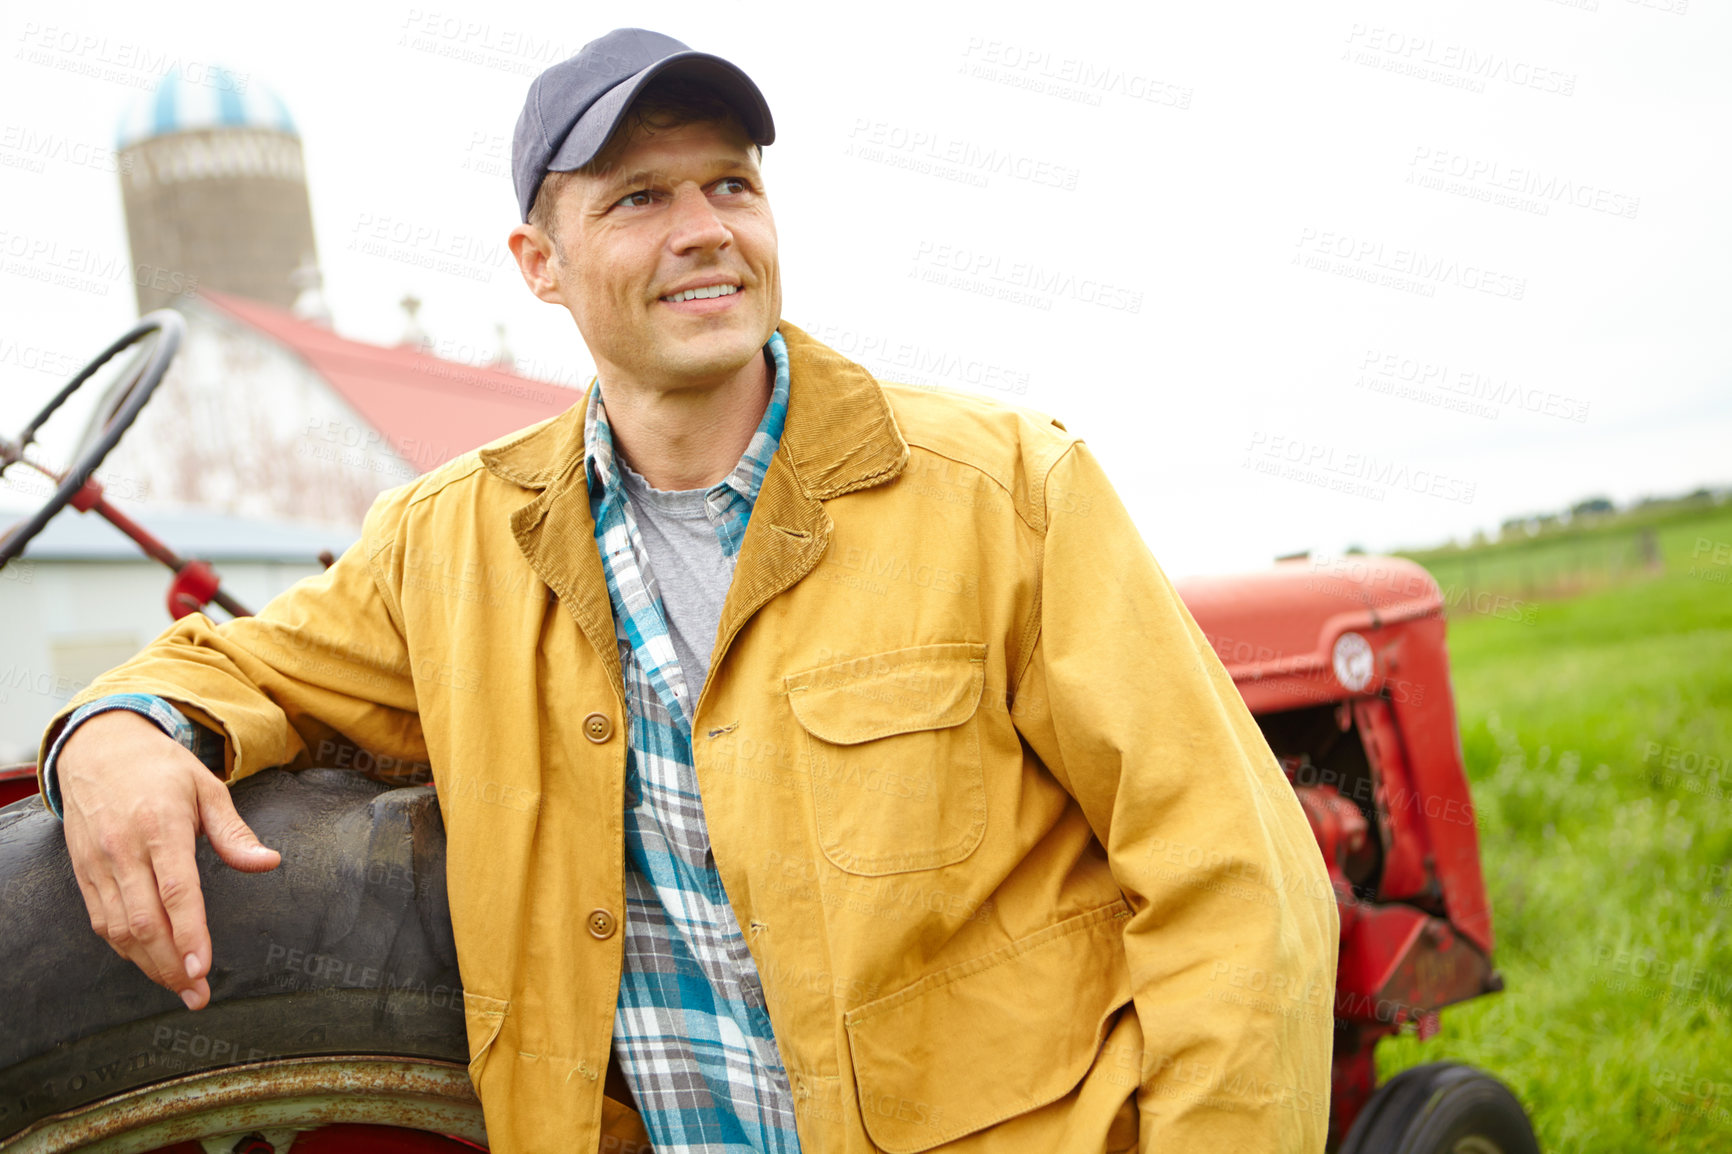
(681, 208)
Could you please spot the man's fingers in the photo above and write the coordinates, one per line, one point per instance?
(183, 899)
(197, 995)
(96, 903)
(147, 927)
(94, 869)
(231, 837)
(135, 802)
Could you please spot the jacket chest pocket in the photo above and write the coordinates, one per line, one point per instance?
(891, 746)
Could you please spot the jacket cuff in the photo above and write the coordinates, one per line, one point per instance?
(159, 712)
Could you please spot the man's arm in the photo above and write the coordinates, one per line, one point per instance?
(321, 670)
(1126, 703)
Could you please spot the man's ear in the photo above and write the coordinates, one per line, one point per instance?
(537, 260)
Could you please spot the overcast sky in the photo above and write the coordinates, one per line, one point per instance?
(1304, 276)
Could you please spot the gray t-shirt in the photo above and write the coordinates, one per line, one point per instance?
(691, 572)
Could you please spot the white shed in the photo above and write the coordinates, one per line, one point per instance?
(83, 599)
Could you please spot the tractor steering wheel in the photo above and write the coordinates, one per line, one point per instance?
(169, 328)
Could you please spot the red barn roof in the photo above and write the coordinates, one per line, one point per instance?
(428, 409)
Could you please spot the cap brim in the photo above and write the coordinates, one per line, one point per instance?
(597, 124)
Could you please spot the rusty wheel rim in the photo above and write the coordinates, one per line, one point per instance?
(284, 1096)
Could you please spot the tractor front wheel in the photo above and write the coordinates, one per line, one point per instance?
(1442, 1108)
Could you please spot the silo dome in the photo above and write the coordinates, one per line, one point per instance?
(204, 97)
(215, 189)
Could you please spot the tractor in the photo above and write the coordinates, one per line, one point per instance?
(1342, 662)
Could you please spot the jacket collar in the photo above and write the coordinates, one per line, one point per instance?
(840, 434)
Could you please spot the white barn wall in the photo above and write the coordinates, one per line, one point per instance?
(64, 622)
(242, 425)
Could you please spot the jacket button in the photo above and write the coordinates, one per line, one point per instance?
(598, 727)
(601, 924)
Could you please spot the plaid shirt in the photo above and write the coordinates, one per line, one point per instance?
(691, 1031)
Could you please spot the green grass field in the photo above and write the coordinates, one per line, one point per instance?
(1598, 736)
(1578, 558)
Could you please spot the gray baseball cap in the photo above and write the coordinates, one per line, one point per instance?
(574, 106)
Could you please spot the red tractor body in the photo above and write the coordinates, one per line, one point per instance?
(1344, 666)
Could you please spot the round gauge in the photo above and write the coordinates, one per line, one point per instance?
(1353, 662)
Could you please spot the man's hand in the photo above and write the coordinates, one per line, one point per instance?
(135, 802)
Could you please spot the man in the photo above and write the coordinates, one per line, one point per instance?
(951, 857)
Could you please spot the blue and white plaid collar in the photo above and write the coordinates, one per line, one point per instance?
(602, 467)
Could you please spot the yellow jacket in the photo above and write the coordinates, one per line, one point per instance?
(948, 674)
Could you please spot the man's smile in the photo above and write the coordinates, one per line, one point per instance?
(709, 290)
(704, 299)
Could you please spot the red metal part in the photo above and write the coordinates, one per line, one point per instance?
(1399, 965)
(17, 781)
(345, 1138)
(199, 588)
(1341, 832)
(88, 497)
(1353, 1077)
(1427, 732)
(192, 589)
(354, 1138)
(1275, 631)
(1399, 809)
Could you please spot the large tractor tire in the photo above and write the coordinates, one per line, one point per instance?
(1442, 1108)
(335, 996)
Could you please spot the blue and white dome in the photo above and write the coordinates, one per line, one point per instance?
(204, 96)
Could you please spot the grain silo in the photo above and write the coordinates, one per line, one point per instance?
(215, 191)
